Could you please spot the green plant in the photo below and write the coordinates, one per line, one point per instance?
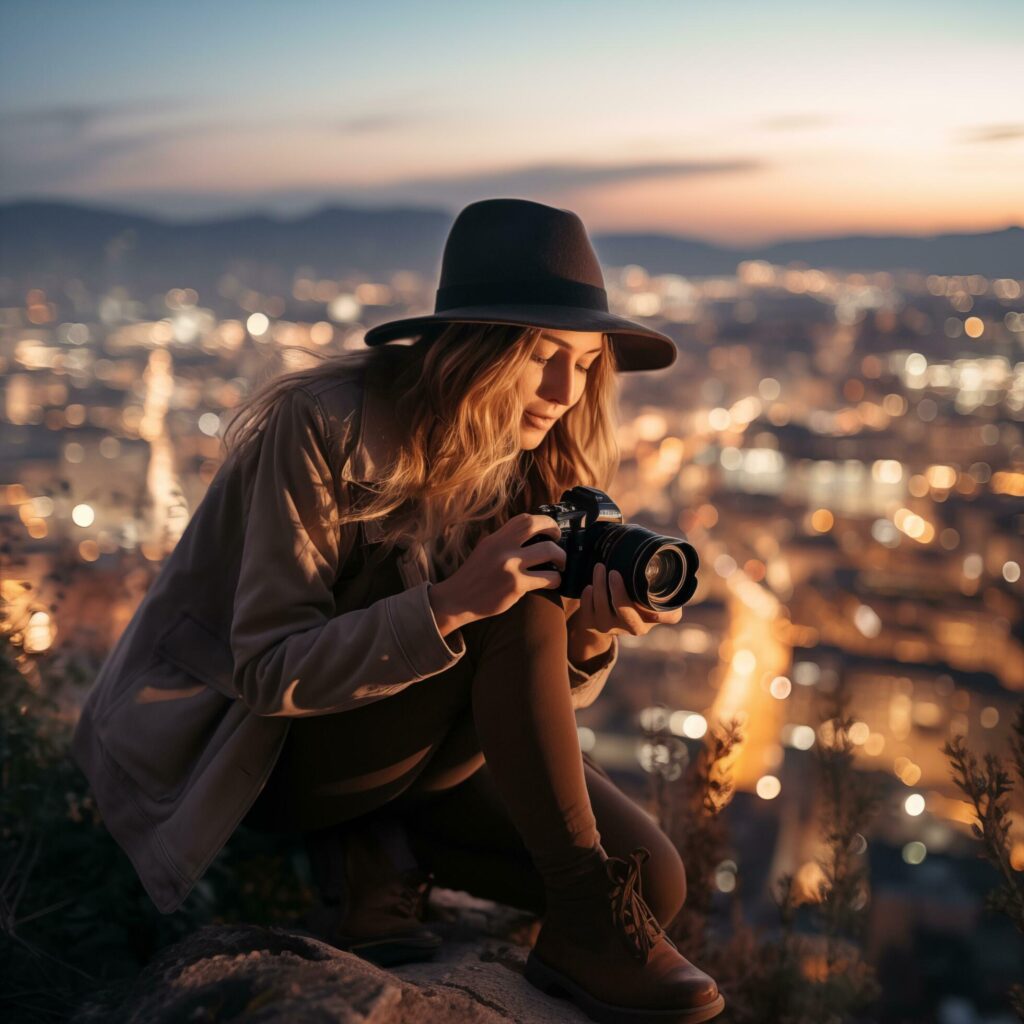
(988, 788)
(849, 801)
(74, 918)
(699, 832)
(810, 975)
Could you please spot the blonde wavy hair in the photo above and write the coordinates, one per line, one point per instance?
(460, 472)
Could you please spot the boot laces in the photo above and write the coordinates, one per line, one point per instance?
(412, 894)
(634, 920)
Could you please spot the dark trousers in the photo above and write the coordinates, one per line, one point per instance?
(482, 765)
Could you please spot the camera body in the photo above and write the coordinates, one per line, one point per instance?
(577, 511)
(659, 572)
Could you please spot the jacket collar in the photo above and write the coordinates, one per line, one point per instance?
(379, 434)
(379, 437)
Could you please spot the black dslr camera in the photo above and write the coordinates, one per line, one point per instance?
(660, 572)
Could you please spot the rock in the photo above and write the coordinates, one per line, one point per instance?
(483, 955)
(258, 974)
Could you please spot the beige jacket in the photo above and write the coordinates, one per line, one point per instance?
(255, 618)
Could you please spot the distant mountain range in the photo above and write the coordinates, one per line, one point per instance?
(46, 243)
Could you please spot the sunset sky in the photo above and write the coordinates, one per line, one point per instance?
(740, 122)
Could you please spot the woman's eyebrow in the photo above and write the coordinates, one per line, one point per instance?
(565, 344)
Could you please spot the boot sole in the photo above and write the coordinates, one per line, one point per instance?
(392, 952)
(553, 983)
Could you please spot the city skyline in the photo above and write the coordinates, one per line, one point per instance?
(743, 125)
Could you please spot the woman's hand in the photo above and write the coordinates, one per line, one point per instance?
(605, 607)
(496, 573)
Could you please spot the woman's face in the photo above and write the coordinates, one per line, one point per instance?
(554, 379)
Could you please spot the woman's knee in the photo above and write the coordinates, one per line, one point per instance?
(534, 623)
(540, 611)
(663, 878)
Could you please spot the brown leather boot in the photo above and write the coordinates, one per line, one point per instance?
(602, 947)
(372, 893)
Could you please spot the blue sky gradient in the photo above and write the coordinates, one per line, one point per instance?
(739, 121)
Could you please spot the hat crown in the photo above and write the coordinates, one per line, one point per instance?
(516, 261)
(519, 251)
(517, 239)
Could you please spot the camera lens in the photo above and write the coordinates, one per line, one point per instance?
(660, 572)
(664, 572)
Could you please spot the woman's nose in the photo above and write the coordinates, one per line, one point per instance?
(557, 387)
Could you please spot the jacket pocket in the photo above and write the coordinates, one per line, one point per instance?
(158, 729)
(197, 650)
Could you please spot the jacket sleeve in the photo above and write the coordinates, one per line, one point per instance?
(292, 654)
(586, 685)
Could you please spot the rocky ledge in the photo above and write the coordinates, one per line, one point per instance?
(258, 975)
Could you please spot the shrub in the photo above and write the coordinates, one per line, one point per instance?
(74, 918)
(988, 788)
(811, 974)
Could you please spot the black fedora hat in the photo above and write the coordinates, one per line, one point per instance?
(514, 261)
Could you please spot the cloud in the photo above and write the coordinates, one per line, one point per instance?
(548, 178)
(536, 181)
(795, 122)
(31, 165)
(76, 118)
(993, 133)
(54, 146)
(57, 149)
(369, 123)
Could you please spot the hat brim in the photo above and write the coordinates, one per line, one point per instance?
(636, 347)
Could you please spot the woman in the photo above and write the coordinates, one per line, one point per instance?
(350, 633)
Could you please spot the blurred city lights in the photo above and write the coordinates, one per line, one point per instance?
(38, 633)
(914, 804)
(83, 515)
(853, 492)
(725, 876)
(688, 723)
(914, 852)
(257, 325)
(800, 737)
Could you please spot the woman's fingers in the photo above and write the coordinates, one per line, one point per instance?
(527, 524)
(610, 599)
(547, 579)
(637, 614)
(541, 552)
(607, 604)
(603, 613)
(624, 609)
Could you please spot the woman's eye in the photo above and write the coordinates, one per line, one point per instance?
(542, 361)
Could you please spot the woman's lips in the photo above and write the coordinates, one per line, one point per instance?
(537, 421)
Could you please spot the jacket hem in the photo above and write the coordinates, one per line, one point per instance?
(133, 830)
